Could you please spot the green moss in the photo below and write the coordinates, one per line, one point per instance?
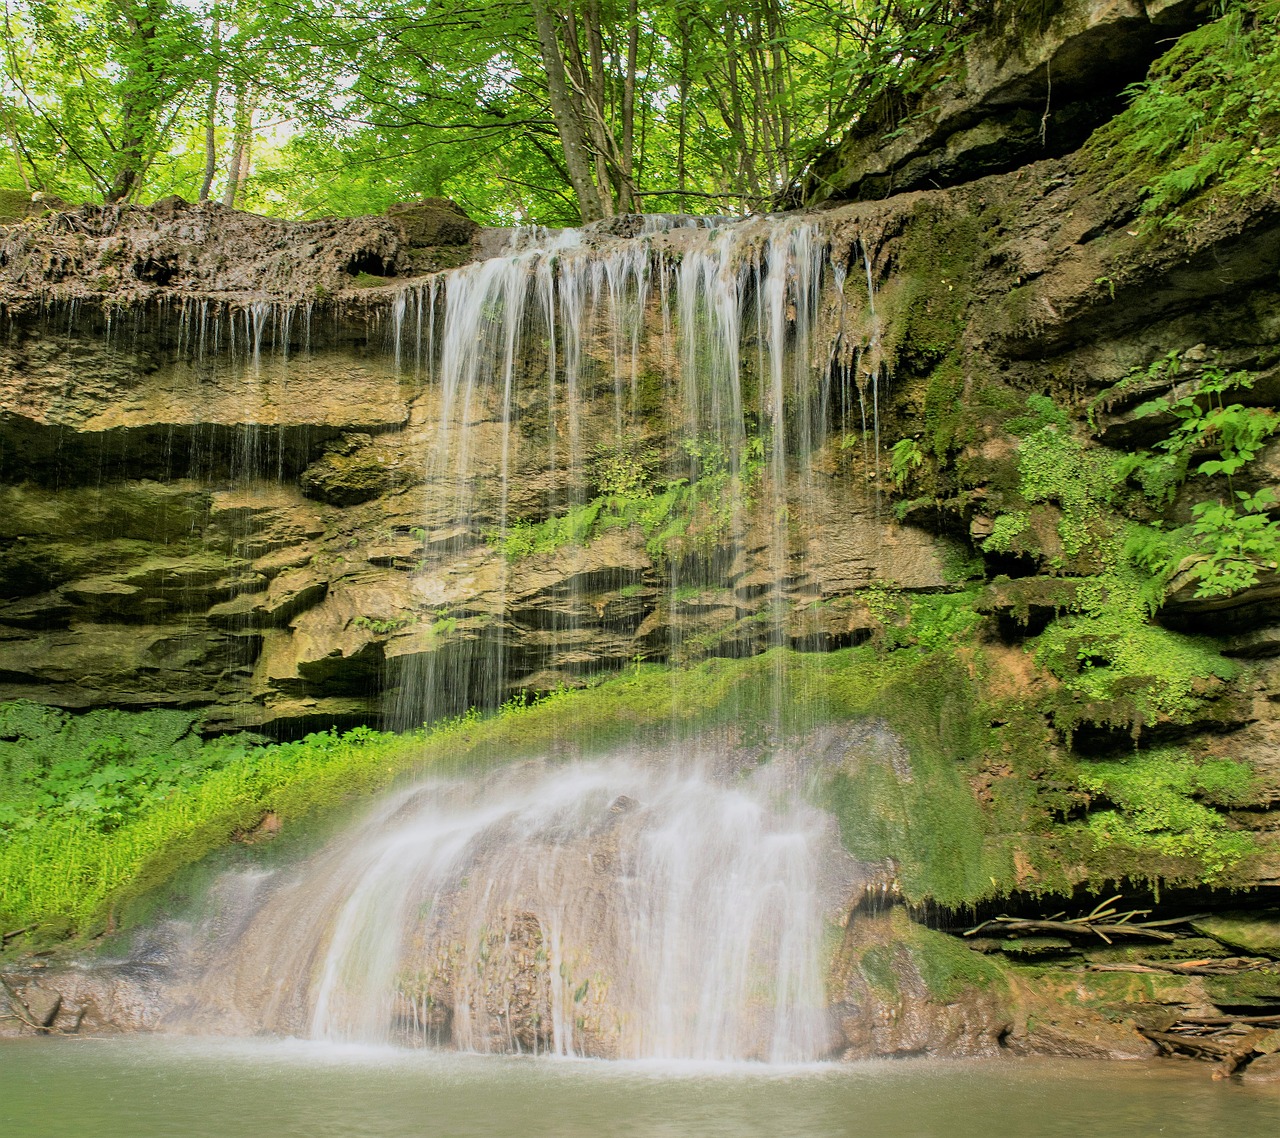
(879, 967)
(916, 806)
(1201, 130)
(686, 517)
(1160, 800)
(1260, 988)
(940, 256)
(948, 966)
(1108, 655)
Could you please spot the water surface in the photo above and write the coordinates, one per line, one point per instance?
(165, 1087)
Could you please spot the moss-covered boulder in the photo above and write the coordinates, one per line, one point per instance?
(1254, 932)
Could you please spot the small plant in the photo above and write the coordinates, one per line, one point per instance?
(907, 459)
(383, 626)
(1237, 542)
(1206, 424)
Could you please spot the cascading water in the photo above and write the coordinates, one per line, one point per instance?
(538, 362)
(640, 906)
(655, 905)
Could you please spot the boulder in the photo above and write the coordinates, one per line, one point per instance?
(433, 221)
(42, 1004)
(1254, 932)
(1264, 1069)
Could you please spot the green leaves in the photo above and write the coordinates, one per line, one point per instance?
(1204, 118)
(1205, 425)
(1235, 541)
(907, 458)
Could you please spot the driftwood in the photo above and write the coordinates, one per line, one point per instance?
(1223, 966)
(1230, 1042)
(1104, 922)
(5, 938)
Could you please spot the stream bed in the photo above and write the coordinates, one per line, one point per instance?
(153, 1087)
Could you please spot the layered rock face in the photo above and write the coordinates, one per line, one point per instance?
(289, 513)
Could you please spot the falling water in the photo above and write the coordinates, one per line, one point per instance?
(631, 907)
(635, 906)
(549, 345)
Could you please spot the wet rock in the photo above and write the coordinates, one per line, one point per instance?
(1257, 987)
(1264, 1069)
(1254, 643)
(1084, 1035)
(885, 1006)
(351, 471)
(42, 1004)
(1254, 932)
(1243, 609)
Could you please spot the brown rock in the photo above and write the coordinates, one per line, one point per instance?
(433, 221)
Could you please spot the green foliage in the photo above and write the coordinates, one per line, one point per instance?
(1005, 532)
(1204, 119)
(1055, 466)
(105, 768)
(1117, 667)
(688, 515)
(1236, 543)
(1227, 544)
(1040, 412)
(1234, 432)
(907, 459)
(702, 105)
(626, 470)
(1159, 799)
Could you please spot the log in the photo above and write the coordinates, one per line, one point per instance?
(1075, 928)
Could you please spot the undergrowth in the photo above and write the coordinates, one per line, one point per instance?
(1161, 799)
(681, 516)
(1205, 123)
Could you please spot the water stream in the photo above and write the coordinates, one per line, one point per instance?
(638, 906)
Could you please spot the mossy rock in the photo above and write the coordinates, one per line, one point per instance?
(1257, 933)
(433, 221)
(1032, 947)
(1259, 988)
(351, 471)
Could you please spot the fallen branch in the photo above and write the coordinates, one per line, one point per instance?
(5, 938)
(1104, 922)
(1225, 966)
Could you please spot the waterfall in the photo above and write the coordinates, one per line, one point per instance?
(635, 906)
(552, 347)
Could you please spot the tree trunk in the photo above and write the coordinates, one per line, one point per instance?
(629, 109)
(138, 105)
(237, 169)
(577, 154)
(211, 114)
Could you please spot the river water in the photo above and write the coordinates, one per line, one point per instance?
(163, 1088)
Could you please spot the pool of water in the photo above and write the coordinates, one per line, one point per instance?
(171, 1087)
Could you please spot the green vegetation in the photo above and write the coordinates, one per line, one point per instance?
(546, 111)
(685, 516)
(1200, 130)
(1232, 432)
(1225, 547)
(1159, 801)
(103, 769)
